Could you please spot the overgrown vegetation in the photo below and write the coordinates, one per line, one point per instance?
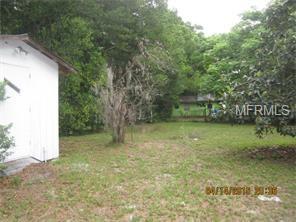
(268, 76)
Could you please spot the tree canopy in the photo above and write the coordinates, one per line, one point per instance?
(256, 58)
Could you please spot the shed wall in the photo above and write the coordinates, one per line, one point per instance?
(39, 101)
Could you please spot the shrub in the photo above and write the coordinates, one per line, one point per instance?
(5, 140)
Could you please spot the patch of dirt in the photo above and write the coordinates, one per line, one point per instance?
(190, 136)
(35, 173)
(38, 173)
(106, 212)
(178, 137)
(146, 128)
(31, 186)
(284, 154)
(193, 135)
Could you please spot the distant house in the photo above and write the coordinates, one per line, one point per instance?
(199, 98)
(31, 73)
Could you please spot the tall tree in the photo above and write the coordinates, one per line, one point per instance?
(129, 92)
(272, 67)
(88, 33)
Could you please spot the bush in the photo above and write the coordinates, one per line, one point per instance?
(5, 141)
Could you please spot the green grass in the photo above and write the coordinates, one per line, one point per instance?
(161, 175)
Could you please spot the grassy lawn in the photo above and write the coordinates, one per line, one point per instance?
(161, 175)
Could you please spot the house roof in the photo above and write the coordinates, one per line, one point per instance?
(64, 67)
(189, 99)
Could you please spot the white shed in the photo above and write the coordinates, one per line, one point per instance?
(31, 73)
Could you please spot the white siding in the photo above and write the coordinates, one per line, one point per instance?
(37, 102)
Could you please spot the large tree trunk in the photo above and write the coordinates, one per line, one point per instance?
(119, 135)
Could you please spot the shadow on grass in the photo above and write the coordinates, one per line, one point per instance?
(275, 154)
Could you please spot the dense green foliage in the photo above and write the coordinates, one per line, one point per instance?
(257, 56)
(274, 76)
(255, 64)
(267, 65)
(91, 34)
